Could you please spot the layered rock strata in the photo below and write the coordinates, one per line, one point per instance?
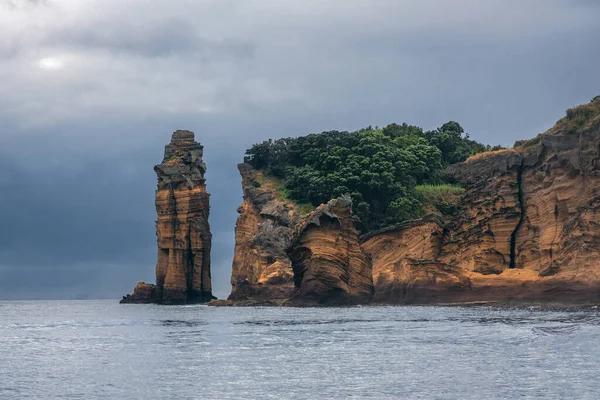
(182, 228)
(285, 256)
(527, 229)
(329, 266)
(261, 269)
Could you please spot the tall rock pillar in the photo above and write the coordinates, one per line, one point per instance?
(182, 228)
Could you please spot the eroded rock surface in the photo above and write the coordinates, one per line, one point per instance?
(328, 263)
(406, 264)
(290, 258)
(182, 229)
(261, 269)
(528, 229)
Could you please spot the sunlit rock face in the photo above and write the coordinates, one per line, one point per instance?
(329, 266)
(182, 228)
(528, 229)
(406, 265)
(285, 256)
(559, 239)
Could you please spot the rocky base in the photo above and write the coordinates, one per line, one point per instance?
(142, 294)
(145, 293)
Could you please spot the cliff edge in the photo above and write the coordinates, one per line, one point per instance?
(526, 228)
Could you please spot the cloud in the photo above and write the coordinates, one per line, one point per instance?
(230, 56)
(91, 91)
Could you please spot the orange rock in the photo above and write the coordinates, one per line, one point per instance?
(329, 266)
(528, 229)
(261, 269)
(182, 229)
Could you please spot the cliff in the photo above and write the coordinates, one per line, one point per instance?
(328, 264)
(526, 228)
(182, 229)
(294, 256)
(261, 269)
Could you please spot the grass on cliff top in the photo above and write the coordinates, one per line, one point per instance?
(486, 154)
(438, 192)
(278, 187)
(577, 120)
(440, 199)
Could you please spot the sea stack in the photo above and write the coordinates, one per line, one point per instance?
(182, 228)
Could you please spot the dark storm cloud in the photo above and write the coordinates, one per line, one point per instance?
(155, 39)
(92, 90)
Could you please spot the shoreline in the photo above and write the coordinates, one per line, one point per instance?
(482, 303)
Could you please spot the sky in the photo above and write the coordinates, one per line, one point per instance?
(91, 90)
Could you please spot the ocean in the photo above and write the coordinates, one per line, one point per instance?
(103, 350)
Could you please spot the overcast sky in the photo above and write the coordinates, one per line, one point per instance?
(90, 91)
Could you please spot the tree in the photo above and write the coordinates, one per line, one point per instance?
(377, 168)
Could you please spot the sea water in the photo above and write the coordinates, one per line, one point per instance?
(103, 350)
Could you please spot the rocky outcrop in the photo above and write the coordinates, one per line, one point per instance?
(182, 229)
(527, 228)
(289, 257)
(406, 265)
(329, 266)
(481, 237)
(261, 269)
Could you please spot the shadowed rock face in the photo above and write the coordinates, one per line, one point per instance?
(182, 229)
(261, 269)
(283, 257)
(329, 266)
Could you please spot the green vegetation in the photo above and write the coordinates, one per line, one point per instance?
(579, 117)
(277, 186)
(435, 193)
(443, 198)
(577, 120)
(379, 168)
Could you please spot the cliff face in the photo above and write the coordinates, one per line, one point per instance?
(261, 269)
(328, 263)
(406, 262)
(182, 229)
(527, 228)
(559, 238)
(284, 255)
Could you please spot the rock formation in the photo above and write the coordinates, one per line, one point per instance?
(329, 266)
(527, 229)
(405, 262)
(286, 255)
(261, 269)
(182, 229)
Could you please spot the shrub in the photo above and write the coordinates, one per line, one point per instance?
(445, 198)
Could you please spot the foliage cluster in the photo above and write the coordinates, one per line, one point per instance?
(576, 120)
(445, 198)
(378, 168)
